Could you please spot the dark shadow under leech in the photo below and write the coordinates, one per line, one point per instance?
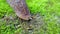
(30, 19)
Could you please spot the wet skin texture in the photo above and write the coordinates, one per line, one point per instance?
(20, 8)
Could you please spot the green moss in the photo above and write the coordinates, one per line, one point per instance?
(36, 6)
(5, 9)
(49, 9)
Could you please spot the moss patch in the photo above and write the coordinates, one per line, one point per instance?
(49, 9)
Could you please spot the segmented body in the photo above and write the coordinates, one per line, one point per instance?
(20, 8)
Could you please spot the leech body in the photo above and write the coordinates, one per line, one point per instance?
(20, 8)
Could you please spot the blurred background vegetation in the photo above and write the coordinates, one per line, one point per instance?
(49, 9)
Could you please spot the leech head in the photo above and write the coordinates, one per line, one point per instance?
(24, 17)
(30, 18)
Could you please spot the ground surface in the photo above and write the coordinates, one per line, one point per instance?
(46, 21)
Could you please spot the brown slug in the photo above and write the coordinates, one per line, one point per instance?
(20, 8)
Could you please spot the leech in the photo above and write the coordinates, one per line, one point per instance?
(20, 8)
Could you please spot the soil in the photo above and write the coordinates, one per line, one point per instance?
(28, 27)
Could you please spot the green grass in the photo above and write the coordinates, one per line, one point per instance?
(5, 9)
(49, 9)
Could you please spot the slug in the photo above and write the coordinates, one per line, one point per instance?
(20, 8)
